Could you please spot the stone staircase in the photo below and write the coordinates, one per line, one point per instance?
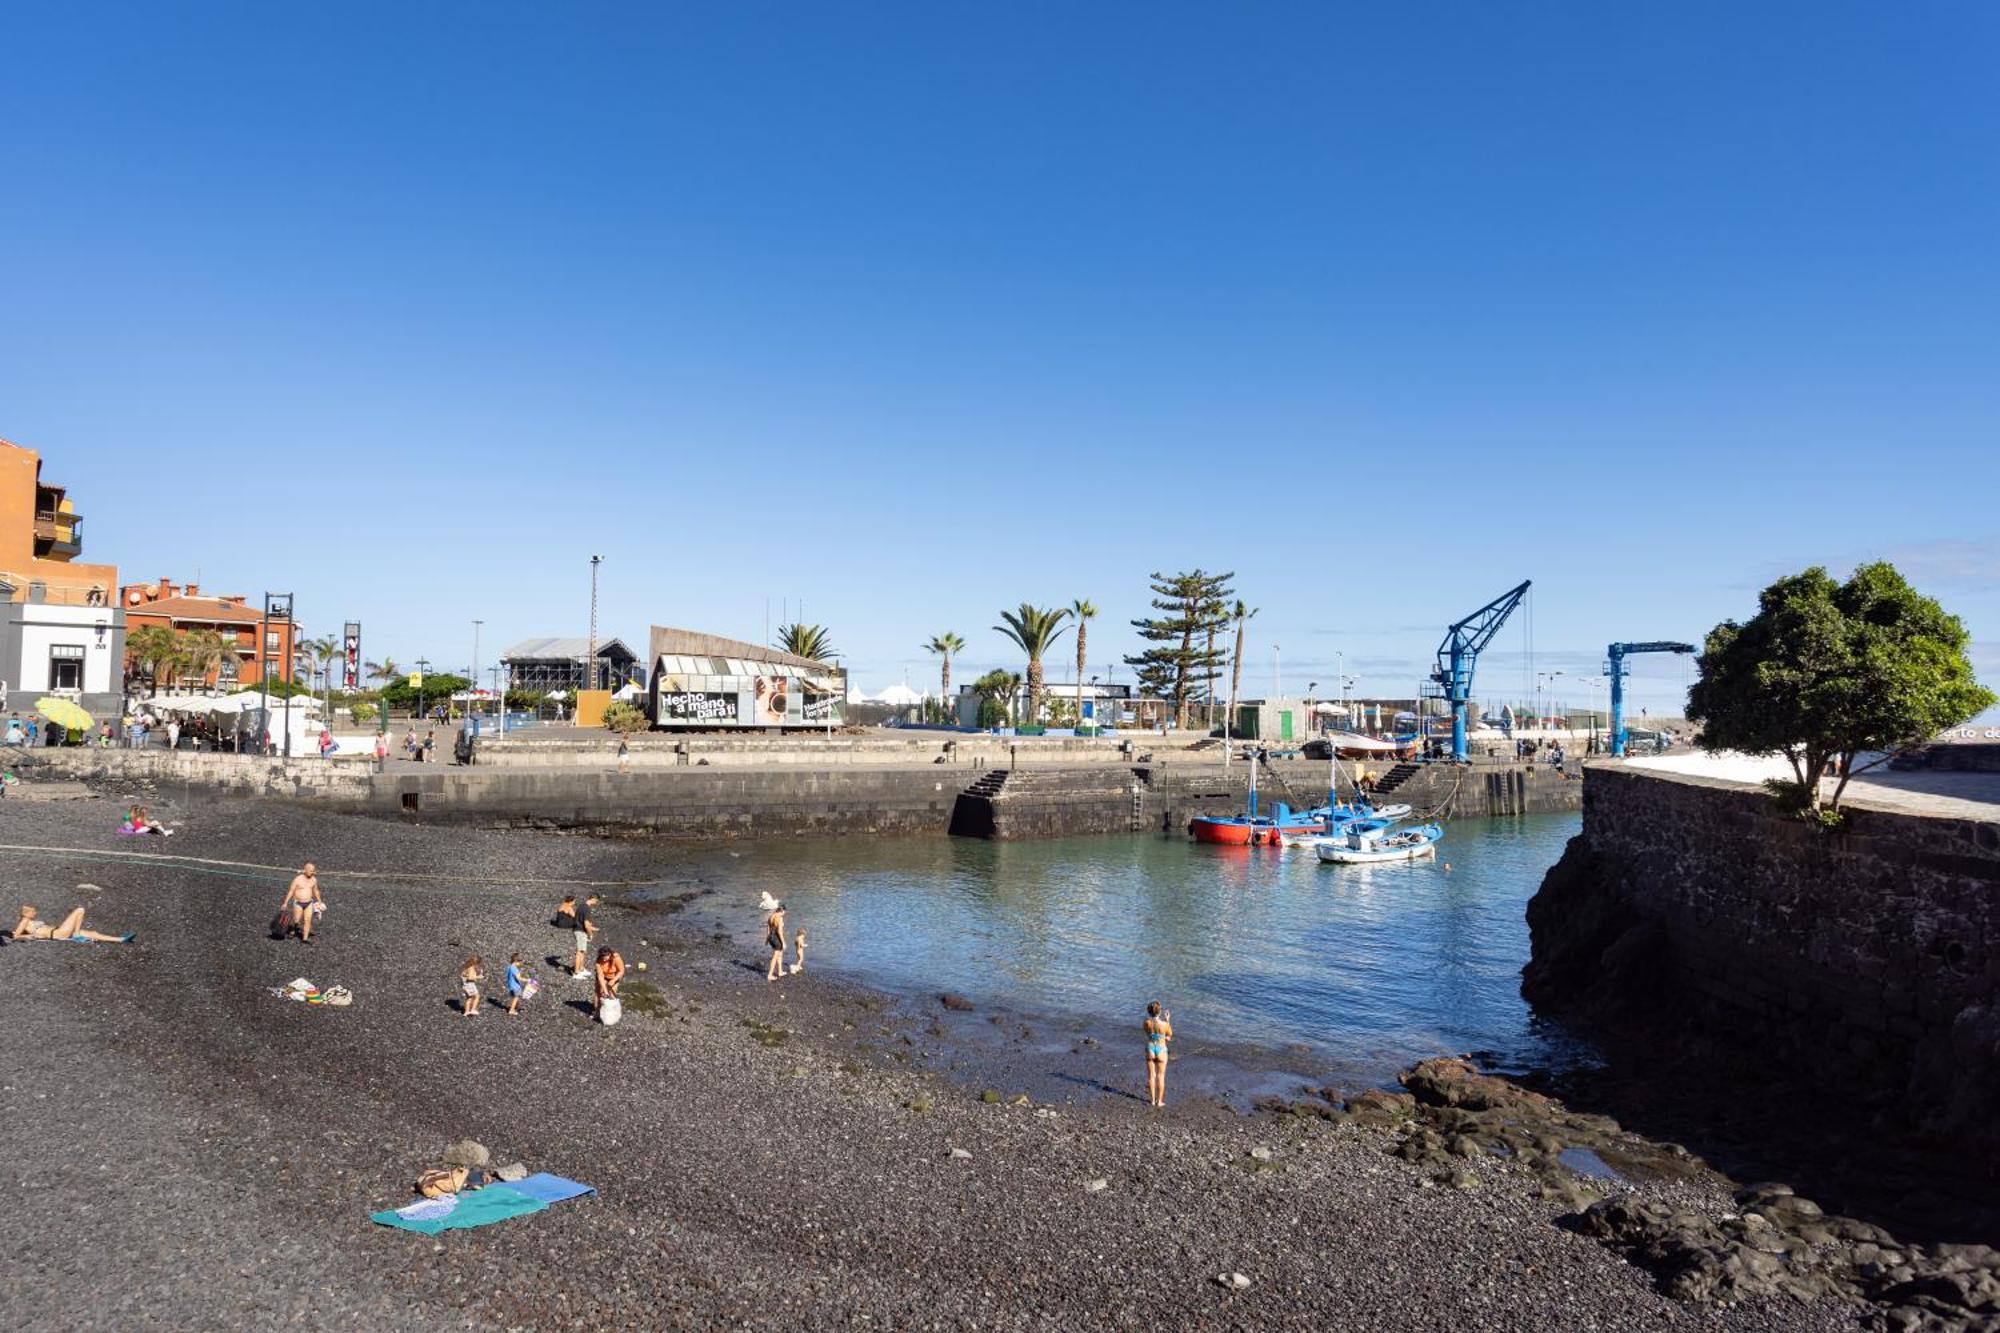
(990, 783)
(1396, 777)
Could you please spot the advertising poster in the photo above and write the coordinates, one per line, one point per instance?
(772, 696)
(705, 706)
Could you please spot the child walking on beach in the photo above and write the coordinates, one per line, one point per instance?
(469, 978)
(799, 948)
(518, 985)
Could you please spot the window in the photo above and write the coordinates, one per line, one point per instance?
(66, 666)
(271, 642)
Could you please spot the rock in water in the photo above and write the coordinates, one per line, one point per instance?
(467, 1152)
(955, 1002)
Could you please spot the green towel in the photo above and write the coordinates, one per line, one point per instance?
(474, 1208)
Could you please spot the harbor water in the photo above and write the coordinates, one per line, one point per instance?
(1367, 968)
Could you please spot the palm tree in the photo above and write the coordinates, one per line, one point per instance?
(151, 650)
(1034, 629)
(944, 645)
(385, 671)
(811, 641)
(1084, 610)
(322, 653)
(202, 651)
(1241, 614)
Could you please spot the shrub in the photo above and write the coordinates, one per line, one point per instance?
(625, 718)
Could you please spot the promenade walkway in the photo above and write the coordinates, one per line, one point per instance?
(1946, 794)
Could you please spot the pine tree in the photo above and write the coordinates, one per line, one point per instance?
(1182, 656)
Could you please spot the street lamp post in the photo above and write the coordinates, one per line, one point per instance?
(277, 606)
(474, 677)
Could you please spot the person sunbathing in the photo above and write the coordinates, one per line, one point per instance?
(31, 927)
(140, 821)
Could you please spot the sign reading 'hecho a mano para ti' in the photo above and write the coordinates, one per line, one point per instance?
(698, 706)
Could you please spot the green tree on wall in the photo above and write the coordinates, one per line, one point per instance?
(1827, 674)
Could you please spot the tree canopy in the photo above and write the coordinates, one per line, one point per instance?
(1182, 655)
(813, 641)
(1828, 673)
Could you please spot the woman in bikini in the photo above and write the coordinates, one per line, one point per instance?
(774, 937)
(1159, 1028)
(32, 927)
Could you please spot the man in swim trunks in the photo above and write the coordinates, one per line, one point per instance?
(302, 900)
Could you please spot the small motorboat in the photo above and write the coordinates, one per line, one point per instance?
(1369, 841)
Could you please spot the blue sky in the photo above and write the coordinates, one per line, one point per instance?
(913, 312)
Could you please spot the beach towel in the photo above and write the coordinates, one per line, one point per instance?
(550, 1189)
(453, 1212)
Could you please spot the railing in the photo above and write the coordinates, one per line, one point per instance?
(57, 595)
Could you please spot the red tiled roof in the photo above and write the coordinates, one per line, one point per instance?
(198, 608)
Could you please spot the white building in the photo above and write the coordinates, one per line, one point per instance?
(75, 651)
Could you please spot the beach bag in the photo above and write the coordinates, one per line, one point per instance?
(281, 925)
(609, 1011)
(530, 988)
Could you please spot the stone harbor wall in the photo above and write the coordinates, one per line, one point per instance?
(1152, 792)
(1161, 796)
(694, 803)
(341, 781)
(1866, 961)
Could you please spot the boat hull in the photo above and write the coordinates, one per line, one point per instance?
(1247, 832)
(1413, 845)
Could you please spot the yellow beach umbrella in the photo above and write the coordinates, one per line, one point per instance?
(63, 712)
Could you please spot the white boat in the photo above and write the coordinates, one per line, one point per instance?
(1364, 846)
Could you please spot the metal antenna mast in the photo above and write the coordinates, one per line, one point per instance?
(590, 652)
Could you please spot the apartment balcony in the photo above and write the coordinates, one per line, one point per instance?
(56, 537)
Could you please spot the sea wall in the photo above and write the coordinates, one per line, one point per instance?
(699, 803)
(345, 781)
(1162, 795)
(1866, 961)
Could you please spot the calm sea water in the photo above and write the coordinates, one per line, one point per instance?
(1369, 966)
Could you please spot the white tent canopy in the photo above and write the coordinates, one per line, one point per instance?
(896, 696)
(226, 704)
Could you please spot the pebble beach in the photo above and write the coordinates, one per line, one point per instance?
(190, 1151)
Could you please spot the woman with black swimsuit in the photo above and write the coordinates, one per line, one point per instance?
(774, 936)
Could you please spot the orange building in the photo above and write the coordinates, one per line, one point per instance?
(39, 542)
(234, 618)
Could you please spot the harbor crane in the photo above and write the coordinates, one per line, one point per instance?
(1459, 654)
(1615, 668)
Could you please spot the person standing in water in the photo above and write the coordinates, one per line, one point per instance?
(774, 937)
(1159, 1028)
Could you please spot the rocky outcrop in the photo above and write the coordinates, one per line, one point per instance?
(1778, 1244)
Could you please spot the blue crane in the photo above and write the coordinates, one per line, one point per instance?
(1615, 669)
(1459, 654)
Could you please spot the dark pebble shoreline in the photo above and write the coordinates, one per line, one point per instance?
(190, 1151)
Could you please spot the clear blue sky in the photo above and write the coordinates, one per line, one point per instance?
(917, 311)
